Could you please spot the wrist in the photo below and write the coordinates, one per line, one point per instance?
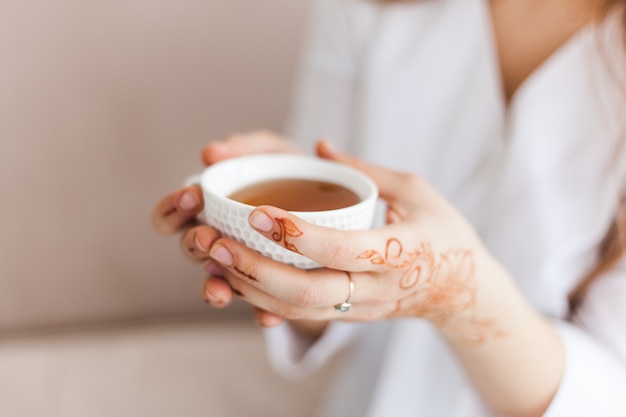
(508, 348)
(464, 293)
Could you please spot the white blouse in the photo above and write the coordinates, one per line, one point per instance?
(416, 87)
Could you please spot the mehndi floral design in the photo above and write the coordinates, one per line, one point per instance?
(442, 290)
(286, 228)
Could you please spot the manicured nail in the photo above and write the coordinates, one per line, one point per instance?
(188, 201)
(213, 270)
(261, 221)
(327, 144)
(222, 255)
(199, 245)
(211, 298)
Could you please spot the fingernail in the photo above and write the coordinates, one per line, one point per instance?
(188, 201)
(199, 245)
(212, 298)
(329, 146)
(326, 143)
(261, 221)
(213, 270)
(222, 255)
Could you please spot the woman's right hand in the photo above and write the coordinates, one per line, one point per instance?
(178, 212)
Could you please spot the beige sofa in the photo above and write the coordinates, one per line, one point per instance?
(104, 107)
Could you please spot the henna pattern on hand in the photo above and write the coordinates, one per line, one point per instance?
(170, 211)
(441, 290)
(286, 228)
(249, 276)
(394, 257)
(236, 291)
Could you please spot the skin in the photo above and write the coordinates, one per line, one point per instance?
(528, 32)
(427, 262)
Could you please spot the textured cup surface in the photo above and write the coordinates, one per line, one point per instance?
(231, 217)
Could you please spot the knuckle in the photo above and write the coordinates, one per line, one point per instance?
(248, 272)
(337, 251)
(292, 313)
(306, 297)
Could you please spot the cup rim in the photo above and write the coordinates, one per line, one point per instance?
(212, 172)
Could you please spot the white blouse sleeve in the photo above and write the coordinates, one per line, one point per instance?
(594, 382)
(295, 357)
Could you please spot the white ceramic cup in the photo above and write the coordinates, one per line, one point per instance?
(230, 217)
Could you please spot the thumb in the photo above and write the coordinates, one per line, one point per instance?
(392, 185)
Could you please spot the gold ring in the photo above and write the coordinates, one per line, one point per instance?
(346, 305)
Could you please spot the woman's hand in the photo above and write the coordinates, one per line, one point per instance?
(178, 211)
(427, 262)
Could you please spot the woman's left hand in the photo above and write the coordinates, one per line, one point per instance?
(426, 262)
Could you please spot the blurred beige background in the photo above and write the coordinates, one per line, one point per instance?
(105, 107)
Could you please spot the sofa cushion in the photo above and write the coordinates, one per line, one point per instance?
(159, 370)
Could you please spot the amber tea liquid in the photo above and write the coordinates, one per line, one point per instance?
(296, 195)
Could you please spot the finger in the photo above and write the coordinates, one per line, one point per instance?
(217, 292)
(197, 240)
(346, 250)
(392, 185)
(271, 310)
(286, 290)
(265, 318)
(177, 209)
(214, 269)
(259, 141)
(408, 195)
